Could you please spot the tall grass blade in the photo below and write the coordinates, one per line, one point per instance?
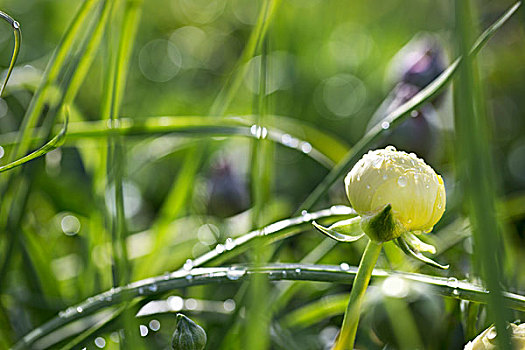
(475, 166)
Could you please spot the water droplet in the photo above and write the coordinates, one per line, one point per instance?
(286, 139)
(492, 333)
(259, 132)
(175, 303)
(191, 304)
(143, 330)
(141, 290)
(304, 212)
(298, 271)
(284, 273)
(16, 25)
(229, 305)
(100, 342)
(377, 162)
(385, 125)
(440, 205)
(234, 273)
(229, 244)
(306, 147)
(390, 148)
(153, 288)
(455, 292)
(414, 114)
(219, 248)
(402, 181)
(344, 266)
(188, 265)
(154, 325)
(189, 277)
(452, 282)
(79, 309)
(427, 186)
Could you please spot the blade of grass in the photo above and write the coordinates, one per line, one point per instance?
(258, 314)
(475, 169)
(320, 146)
(399, 114)
(118, 68)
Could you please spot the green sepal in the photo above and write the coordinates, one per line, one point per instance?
(409, 250)
(382, 226)
(343, 231)
(416, 244)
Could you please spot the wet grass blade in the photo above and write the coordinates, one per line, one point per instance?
(475, 168)
(275, 272)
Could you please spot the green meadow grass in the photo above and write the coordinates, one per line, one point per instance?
(112, 150)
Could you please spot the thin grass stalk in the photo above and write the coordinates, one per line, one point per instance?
(119, 65)
(257, 328)
(475, 169)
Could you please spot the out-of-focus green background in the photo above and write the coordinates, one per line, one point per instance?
(331, 64)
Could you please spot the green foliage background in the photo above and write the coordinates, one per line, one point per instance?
(117, 205)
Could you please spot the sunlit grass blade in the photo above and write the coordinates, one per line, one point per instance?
(300, 136)
(398, 115)
(257, 326)
(16, 47)
(271, 233)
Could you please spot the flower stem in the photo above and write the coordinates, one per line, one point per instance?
(346, 338)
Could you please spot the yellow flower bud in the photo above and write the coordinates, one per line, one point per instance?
(487, 339)
(413, 189)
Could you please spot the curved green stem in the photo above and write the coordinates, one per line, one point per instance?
(346, 338)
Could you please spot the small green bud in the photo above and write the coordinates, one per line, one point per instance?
(188, 335)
